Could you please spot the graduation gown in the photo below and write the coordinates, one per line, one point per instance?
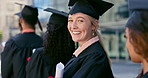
(145, 75)
(90, 63)
(142, 76)
(40, 65)
(17, 51)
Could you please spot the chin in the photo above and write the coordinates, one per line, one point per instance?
(75, 40)
(136, 60)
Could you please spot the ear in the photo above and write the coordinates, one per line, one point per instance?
(21, 20)
(94, 26)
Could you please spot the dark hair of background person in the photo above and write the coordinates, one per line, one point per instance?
(58, 42)
(31, 21)
(139, 40)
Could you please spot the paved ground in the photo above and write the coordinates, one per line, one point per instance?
(125, 69)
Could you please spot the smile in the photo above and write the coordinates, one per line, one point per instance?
(76, 32)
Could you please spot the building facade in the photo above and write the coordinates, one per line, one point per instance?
(8, 21)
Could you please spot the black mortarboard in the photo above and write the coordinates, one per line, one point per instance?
(29, 12)
(93, 8)
(139, 18)
(18, 14)
(57, 16)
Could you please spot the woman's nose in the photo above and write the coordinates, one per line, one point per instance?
(74, 25)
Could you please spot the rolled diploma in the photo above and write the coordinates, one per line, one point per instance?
(59, 70)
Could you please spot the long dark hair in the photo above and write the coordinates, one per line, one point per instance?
(58, 43)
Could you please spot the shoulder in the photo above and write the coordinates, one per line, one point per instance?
(9, 48)
(10, 44)
(38, 52)
(35, 59)
(95, 49)
(28, 40)
(26, 36)
(38, 60)
(94, 54)
(10, 40)
(39, 55)
(145, 75)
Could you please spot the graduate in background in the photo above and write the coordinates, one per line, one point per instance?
(19, 48)
(137, 34)
(90, 59)
(58, 47)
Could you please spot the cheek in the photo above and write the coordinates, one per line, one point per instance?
(87, 27)
(68, 27)
(87, 31)
(128, 46)
(127, 43)
(132, 53)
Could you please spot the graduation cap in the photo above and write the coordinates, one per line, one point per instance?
(139, 18)
(137, 4)
(18, 14)
(93, 8)
(31, 13)
(57, 16)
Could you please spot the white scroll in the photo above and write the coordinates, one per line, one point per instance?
(59, 70)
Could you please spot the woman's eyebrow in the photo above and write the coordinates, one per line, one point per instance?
(80, 17)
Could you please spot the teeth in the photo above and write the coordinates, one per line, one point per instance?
(76, 32)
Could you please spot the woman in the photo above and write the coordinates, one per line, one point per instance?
(58, 47)
(137, 44)
(90, 60)
(137, 37)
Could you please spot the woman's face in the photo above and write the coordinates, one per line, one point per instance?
(80, 27)
(134, 56)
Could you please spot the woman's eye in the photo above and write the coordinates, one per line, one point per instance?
(80, 21)
(70, 20)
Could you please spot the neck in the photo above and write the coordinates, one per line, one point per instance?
(145, 66)
(28, 30)
(82, 42)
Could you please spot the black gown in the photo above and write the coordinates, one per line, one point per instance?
(145, 75)
(90, 63)
(142, 76)
(16, 53)
(40, 65)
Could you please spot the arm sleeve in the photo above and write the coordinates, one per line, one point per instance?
(7, 60)
(102, 70)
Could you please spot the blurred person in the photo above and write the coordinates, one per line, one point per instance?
(137, 34)
(20, 27)
(18, 49)
(90, 59)
(58, 47)
(19, 24)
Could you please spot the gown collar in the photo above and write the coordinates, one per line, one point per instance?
(85, 45)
